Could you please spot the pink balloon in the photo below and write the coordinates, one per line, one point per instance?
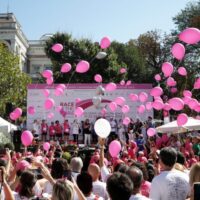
(13, 116)
(105, 42)
(190, 36)
(58, 108)
(187, 93)
(47, 73)
(79, 112)
(114, 148)
(143, 96)
(50, 115)
(112, 106)
(167, 107)
(126, 121)
(98, 78)
(151, 132)
(46, 92)
(128, 83)
(148, 106)
(77, 100)
(186, 99)
(182, 71)
(197, 83)
(122, 70)
(192, 103)
(62, 86)
(111, 87)
(197, 108)
(122, 82)
(157, 77)
(157, 105)
(133, 97)
(46, 146)
(167, 69)
(18, 112)
(125, 109)
(141, 109)
(66, 68)
(171, 82)
(49, 103)
(49, 81)
(103, 111)
(182, 119)
(57, 47)
(31, 110)
(178, 51)
(173, 90)
(156, 91)
(83, 66)
(26, 138)
(176, 104)
(120, 101)
(59, 92)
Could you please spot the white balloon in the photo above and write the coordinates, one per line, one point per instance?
(96, 101)
(101, 55)
(100, 90)
(102, 128)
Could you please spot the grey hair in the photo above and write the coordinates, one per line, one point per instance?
(76, 164)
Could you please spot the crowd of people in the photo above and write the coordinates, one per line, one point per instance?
(161, 167)
(62, 130)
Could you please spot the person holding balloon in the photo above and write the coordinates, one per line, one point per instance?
(36, 129)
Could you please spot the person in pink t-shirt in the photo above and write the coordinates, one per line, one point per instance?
(44, 130)
(52, 131)
(66, 129)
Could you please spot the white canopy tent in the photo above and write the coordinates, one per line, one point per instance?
(6, 127)
(172, 127)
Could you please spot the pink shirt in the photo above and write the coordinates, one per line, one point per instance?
(145, 188)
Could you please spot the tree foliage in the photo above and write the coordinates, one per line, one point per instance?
(13, 82)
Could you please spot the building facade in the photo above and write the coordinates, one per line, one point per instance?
(32, 57)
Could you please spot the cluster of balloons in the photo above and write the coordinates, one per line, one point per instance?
(17, 113)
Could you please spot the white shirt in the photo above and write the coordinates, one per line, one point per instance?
(36, 128)
(170, 185)
(113, 126)
(94, 197)
(138, 197)
(99, 188)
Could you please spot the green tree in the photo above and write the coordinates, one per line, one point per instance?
(13, 82)
(76, 50)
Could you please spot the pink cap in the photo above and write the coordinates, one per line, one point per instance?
(23, 165)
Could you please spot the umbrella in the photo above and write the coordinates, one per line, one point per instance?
(172, 127)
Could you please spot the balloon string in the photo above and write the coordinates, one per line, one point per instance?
(70, 79)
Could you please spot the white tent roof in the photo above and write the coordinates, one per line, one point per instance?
(5, 124)
(172, 127)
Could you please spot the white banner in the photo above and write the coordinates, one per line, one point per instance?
(85, 92)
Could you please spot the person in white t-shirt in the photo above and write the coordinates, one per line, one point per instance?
(36, 129)
(170, 183)
(136, 177)
(99, 187)
(113, 125)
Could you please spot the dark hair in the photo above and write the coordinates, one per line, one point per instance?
(143, 168)
(121, 167)
(136, 176)
(119, 186)
(58, 168)
(84, 182)
(27, 181)
(3, 163)
(180, 158)
(168, 156)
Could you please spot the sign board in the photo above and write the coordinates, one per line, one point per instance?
(85, 92)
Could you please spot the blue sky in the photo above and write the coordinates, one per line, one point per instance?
(120, 19)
